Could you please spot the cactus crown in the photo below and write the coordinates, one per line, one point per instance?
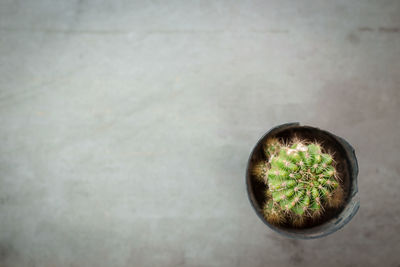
(301, 180)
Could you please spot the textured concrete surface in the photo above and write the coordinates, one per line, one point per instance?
(125, 127)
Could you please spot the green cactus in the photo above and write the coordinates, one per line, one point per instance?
(301, 181)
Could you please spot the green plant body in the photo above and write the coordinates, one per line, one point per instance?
(301, 181)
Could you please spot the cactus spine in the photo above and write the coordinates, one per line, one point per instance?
(301, 181)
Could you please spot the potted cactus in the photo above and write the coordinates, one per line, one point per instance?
(302, 181)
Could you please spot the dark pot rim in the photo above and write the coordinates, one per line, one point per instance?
(340, 219)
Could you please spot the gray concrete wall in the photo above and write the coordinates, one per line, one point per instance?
(125, 127)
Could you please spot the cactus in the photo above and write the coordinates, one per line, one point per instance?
(301, 181)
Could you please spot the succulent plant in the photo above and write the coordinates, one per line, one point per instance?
(301, 181)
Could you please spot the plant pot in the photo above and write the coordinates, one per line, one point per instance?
(344, 155)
